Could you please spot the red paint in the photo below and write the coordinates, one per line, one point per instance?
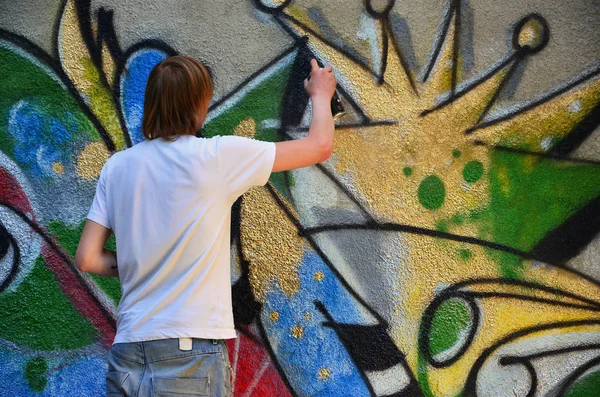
(252, 357)
(82, 300)
(11, 192)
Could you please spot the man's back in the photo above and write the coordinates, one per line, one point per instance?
(168, 204)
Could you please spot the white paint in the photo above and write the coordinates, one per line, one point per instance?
(28, 242)
(270, 124)
(368, 30)
(496, 380)
(14, 110)
(546, 143)
(575, 106)
(389, 381)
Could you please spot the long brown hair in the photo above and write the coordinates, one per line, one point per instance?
(176, 100)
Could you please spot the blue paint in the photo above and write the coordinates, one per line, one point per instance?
(40, 139)
(133, 87)
(319, 347)
(83, 377)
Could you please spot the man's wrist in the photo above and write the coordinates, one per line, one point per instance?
(320, 99)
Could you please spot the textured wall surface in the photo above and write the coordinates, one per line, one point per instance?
(449, 247)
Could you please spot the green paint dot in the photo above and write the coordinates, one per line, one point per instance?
(587, 385)
(457, 219)
(473, 171)
(442, 226)
(407, 171)
(35, 373)
(456, 153)
(465, 253)
(432, 192)
(449, 325)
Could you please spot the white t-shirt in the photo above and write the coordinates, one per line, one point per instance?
(169, 206)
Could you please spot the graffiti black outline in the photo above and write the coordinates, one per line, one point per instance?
(470, 389)
(11, 242)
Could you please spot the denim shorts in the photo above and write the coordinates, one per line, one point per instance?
(160, 368)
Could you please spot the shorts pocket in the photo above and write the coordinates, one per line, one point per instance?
(173, 387)
(114, 383)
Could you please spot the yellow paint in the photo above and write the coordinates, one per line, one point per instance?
(553, 119)
(319, 276)
(92, 159)
(440, 79)
(324, 373)
(370, 160)
(270, 243)
(502, 317)
(297, 331)
(307, 316)
(77, 63)
(108, 65)
(531, 34)
(102, 104)
(274, 316)
(246, 128)
(58, 167)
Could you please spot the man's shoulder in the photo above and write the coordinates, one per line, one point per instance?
(126, 155)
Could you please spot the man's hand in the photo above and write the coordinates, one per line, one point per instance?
(317, 146)
(321, 81)
(91, 255)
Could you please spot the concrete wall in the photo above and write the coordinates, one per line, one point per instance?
(449, 247)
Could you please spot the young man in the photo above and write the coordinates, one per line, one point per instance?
(168, 201)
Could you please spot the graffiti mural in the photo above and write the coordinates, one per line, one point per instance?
(432, 255)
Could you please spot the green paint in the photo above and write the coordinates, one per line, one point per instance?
(422, 373)
(457, 219)
(261, 103)
(432, 192)
(68, 238)
(442, 226)
(450, 321)
(511, 266)
(588, 385)
(456, 153)
(22, 78)
(465, 254)
(407, 171)
(39, 316)
(35, 373)
(473, 171)
(530, 197)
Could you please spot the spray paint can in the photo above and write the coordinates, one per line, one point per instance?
(337, 109)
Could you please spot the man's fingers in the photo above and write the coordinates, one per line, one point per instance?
(328, 68)
(314, 65)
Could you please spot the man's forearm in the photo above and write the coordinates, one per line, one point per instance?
(322, 126)
(106, 264)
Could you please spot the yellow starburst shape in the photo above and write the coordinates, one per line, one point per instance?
(418, 157)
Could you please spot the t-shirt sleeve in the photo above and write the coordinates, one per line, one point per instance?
(98, 212)
(244, 163)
